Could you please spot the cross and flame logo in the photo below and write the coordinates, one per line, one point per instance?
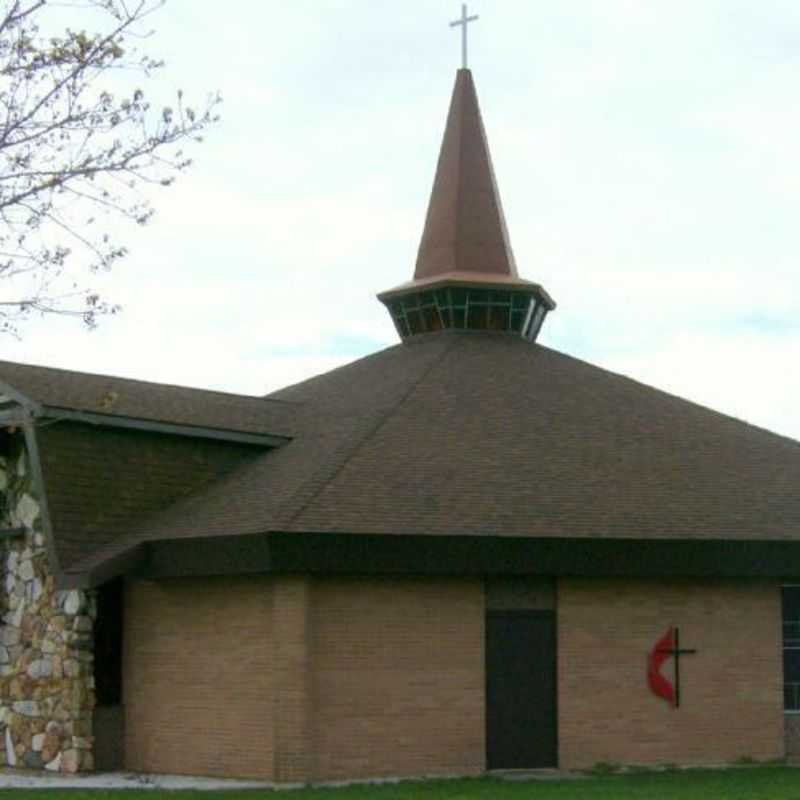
(668, 646)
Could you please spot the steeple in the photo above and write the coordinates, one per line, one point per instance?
(465, 229)
(465, 275)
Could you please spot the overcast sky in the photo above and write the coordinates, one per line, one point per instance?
(647, 153)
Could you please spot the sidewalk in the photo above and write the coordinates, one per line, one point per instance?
(24, 779)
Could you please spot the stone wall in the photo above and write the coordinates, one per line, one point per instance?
(46, 658)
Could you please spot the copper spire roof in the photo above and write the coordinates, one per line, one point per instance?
(465, 240)
(465, 230)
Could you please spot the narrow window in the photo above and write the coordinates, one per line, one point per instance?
(791, 648)
(108, 645)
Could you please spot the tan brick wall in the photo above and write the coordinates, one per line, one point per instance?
(398, 677)
(291, 693)
(349, 677)
(731, 690)
(198, 677)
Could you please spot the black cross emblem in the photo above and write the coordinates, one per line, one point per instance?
(676, 652)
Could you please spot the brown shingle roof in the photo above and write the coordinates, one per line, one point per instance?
(509, 439)
(102, 481)
(156, 402)
(487, 435)
(337, 411)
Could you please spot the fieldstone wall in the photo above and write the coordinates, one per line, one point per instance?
(46, 645)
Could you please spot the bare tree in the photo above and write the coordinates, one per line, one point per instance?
(78, 138)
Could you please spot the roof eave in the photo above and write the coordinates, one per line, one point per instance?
(59, 413)
(463, 555)
(469, 280)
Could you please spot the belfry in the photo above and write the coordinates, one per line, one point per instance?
(466, 276)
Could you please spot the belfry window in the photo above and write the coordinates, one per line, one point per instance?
(474, 309)
(791, 648)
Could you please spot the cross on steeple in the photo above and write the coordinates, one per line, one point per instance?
(463, 22)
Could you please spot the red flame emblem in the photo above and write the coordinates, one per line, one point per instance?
(668, 646)
(663, 650)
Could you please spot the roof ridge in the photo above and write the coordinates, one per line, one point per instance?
(342, 455)
(699, 406)
(458, 245)
(141, 381)
(322, 376)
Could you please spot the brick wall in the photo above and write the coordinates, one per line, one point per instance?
(348, 677)
(369, 677)
(398, 677)
(198, 677)
(731, 704)
(292, 699)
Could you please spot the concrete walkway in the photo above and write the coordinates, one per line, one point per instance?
(34, 779)
(24, 779)
(542, 775)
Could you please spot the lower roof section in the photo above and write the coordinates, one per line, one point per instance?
(325, 553)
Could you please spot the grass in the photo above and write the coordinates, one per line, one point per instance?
(753, 783)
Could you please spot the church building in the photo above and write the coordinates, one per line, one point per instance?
(467, 552)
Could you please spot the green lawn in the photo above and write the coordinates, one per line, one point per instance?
(757, 783)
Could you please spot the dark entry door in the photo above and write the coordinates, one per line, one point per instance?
(520, 689)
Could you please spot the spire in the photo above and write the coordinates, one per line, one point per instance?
(465, 275)
(465, 229)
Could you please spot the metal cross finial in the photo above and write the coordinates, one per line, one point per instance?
(463, 22)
